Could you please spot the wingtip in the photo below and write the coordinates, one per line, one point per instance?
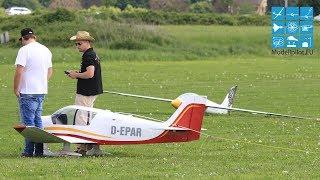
(19, 127)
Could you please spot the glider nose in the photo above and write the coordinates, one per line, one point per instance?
(176, 103)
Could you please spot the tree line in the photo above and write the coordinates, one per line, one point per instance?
(196, 6)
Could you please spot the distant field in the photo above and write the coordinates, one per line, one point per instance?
(189, 43)
(239, 145)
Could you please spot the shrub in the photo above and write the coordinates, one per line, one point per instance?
(61, 15)
(110, 3)
(40, 11)
(131, 9)
(253, 20)
(68, 4)
(127, 36)
(100, 12)
(101, 9)
(226, 19)
(169, 5)
(201, 7)
(2, 13)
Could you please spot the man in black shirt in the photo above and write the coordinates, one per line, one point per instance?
(89, 84)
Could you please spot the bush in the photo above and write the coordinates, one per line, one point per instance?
(169, 5)
(126, 36)
(253, 20)
(2, 13)
(201, 7)
(226, 19)
(131, 9)
(101, 9)
(140, 15)
(158, 17)
(61, 15)
(40, 11)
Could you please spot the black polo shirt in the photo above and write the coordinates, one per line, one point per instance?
(91, 86)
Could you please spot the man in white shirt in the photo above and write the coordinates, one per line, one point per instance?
(33, 70)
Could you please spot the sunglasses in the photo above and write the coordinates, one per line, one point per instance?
(78, 44)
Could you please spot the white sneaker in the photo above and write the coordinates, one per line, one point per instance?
(47, 152)
(95, 151)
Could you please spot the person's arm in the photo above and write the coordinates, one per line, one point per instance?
(17, 80)
(89, 73)
(50, 71)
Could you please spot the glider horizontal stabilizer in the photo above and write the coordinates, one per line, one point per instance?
(35, 134)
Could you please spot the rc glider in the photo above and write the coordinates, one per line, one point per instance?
(212, 108)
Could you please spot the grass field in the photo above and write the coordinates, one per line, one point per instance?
(188, 43)
(236, 145)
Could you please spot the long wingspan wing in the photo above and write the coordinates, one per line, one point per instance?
(139, 96)
(258, 112)
(213, 107)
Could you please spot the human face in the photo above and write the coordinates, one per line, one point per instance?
(82, 45)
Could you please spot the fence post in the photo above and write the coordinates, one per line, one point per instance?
(4, 37)
(1, 38)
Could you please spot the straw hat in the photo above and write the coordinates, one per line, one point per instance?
(82, 36)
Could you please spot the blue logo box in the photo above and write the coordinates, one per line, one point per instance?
(292, 27)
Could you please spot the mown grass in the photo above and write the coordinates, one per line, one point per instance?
(238, 145)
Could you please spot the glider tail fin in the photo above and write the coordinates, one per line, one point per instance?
(228, 100)
(189, 115)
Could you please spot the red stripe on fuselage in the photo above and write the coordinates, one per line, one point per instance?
(165, 137)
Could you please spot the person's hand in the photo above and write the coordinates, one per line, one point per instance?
(73, 74)
(17, 93)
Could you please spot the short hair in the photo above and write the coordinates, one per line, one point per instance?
(29, 36)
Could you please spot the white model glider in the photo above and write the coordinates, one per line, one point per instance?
(108, 128)
(212, 108)
(216, 108)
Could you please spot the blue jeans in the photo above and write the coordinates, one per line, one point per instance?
(30, 114)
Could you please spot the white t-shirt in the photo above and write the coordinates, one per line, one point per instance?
(36, 59)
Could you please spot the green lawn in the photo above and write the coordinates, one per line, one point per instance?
(207, 60)
(238, 145)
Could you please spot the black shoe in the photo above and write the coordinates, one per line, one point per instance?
(38, 155)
